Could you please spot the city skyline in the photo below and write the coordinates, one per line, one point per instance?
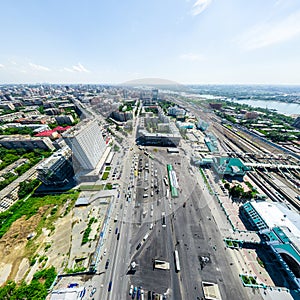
(187, 41)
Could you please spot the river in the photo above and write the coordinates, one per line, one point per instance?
(281, 107)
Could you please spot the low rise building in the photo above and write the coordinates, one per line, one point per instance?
(176, 111)
(64, 119)
(229, 166)
(26, 142)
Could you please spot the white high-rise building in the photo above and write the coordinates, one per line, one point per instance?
(86, 143)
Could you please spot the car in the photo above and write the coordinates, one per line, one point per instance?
(151, 226)
(131, 290)
(116, 231)
(138, 246)
(142, 294)
(93, 292)
(104, 253)
(138, 295)
(149, 295)
(134, 292)
(107, 263)
(109, 229)
(109, 286)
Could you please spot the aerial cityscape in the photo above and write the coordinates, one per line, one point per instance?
(150, 150)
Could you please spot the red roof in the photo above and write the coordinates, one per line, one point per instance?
(46, 133)
(60, 128)
(50, 132)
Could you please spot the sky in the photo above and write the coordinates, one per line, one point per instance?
(187, 41)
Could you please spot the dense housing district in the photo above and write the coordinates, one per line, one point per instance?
(114, 192)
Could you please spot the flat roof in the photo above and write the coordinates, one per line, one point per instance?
(67, 294)
(211, 291)
(276, 215)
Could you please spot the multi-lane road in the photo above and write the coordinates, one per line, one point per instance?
(194, 227)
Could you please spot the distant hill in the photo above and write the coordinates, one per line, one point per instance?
(151, 82)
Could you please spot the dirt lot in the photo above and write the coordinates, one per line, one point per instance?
(13, 243)
(16, 253)
(59, 246)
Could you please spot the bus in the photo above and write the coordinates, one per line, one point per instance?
(177, 263)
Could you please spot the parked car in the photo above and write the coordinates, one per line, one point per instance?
(107, 263)
(131, 290)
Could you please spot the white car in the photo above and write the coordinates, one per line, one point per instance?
(151, 226)
(104, 253)
(131, 290)
(142, 294)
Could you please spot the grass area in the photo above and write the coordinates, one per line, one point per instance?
(260, 262)
(87, 231)
(31, 206)
(105, 175)
(205, 180)
(75, 270)
(9, 156)
(116, 148)
(92, 187)
(232, 244)
(36, 290)
(108, 186)
(248, 279)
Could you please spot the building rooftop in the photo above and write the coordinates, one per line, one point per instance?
(46, 133)
(66, 152)
(277, 215)
(68, 294)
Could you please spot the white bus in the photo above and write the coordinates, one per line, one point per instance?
(177, 263)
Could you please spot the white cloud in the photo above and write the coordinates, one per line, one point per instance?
(1, 66)
(77, 68)
(199, 6)
(270, 33)
(67, 70)
(38, 67)
(192, 57)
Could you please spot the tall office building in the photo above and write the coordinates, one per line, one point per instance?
(86, 143)
(155, 94)
(56, 169)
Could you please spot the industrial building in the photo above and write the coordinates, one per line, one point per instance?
(202, 125)
(279, 227)
(165, 134)
(57, 169)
